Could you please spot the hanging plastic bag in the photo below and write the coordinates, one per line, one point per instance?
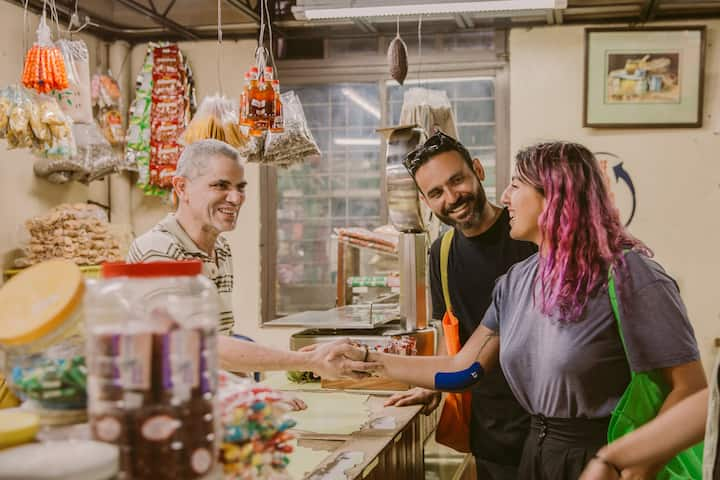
(430, 109)
(105, 92)
(44, 69)
(19, 133)
(5, 104)
(296, 143)
(216, 118)
(76, 101)
(94, 151)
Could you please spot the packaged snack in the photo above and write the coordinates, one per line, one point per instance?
(44, 69)
(295, 143)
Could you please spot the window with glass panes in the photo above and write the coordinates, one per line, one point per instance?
(473, 105)
(344, 187)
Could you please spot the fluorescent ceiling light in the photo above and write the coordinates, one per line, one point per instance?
(352, 95)
(365, 142)
(432, 8)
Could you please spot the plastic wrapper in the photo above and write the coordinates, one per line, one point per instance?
(105, 92)
(44, 69)
(168, 116)
(110, 121)
(431, 109)
(76, 101)
(296, 142)
(94, 151)
(216, 118)
(137, 151)
(252, 151)
(255, 435)
(29, 120)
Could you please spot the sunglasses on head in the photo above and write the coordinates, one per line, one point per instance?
(432, 145)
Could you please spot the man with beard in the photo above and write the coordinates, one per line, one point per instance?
(209, 185)
(449, 181)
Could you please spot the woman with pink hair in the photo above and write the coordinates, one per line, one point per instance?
(551, 326)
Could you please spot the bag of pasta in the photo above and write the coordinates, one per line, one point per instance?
(295, 143)
(216, 118)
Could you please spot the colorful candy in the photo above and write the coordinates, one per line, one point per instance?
(256, 437)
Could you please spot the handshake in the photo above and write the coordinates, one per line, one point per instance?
(339, 359)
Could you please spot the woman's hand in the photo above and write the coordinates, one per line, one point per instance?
(596, 469)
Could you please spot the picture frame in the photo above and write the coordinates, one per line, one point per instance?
(644, 77)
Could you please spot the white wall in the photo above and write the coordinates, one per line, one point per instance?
(676, 172)
(22, 195)
(245, 240)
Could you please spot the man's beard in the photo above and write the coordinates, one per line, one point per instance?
(477, 203)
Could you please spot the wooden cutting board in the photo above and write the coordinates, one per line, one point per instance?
(372, 383)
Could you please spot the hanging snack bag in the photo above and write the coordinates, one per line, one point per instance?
(44, 69)
(296, 142)
(137, 152)
(94, 151)
(76, 101)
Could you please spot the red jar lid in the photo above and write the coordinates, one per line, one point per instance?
(181, 268)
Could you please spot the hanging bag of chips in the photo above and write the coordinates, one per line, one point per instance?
(295, 143)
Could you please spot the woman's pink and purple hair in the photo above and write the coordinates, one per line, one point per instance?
(582, 235)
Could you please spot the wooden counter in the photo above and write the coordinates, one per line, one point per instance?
(388, 453)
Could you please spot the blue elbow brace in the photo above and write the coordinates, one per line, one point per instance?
(459, 381)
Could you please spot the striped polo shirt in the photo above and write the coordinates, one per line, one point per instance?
(168, 241)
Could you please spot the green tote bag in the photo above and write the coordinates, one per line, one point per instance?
(641, 402)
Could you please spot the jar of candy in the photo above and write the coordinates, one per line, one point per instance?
(152, 367)
(41, 337)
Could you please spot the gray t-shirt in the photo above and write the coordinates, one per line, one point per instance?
(579, 369)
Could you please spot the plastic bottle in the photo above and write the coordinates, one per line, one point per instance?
(244, 111)
(278, 124)
(256, 103)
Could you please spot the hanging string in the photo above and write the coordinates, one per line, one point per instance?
(74, 22)
(219, 48)
(54, 17)
(260, 55)
(26, 27)
(272, 56)
(419, 48)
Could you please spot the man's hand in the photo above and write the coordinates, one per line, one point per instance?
(416, 396)
(338, 359)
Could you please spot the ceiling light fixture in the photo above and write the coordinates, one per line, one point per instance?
(432, 8)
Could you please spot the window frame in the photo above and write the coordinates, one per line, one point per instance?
(373, 69)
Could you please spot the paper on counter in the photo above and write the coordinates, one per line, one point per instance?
(304, 461)
(332, 413)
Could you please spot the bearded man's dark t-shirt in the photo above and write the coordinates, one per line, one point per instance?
(499, 425)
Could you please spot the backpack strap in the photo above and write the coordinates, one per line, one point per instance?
(444, 258)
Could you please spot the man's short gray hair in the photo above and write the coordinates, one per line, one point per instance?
(195, 157)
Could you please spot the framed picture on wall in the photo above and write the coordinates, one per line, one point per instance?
(644, 77)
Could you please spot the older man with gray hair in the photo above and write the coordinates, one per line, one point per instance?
(210, 187)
